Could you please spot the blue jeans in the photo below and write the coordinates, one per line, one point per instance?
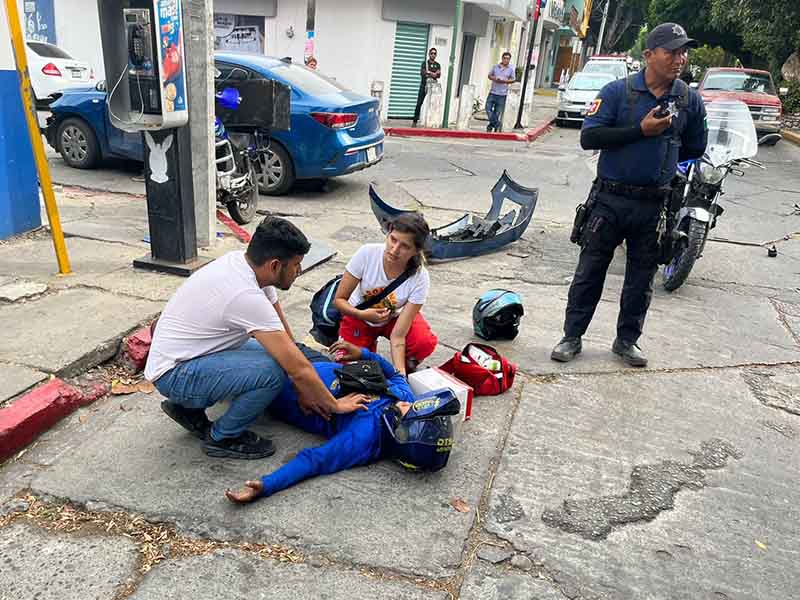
(495, 106)
(247, 375)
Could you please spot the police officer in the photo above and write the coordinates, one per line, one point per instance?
(642, 126)
(430, 70)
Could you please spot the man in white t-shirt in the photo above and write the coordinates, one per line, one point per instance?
(223, 335)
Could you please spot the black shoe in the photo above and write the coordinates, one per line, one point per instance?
(630, 353)
(247, 445)
(567, 349)
(192, 420)
(488, 128)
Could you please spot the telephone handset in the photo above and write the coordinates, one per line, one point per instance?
(137, 45)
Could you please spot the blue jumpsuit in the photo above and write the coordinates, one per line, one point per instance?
(354, 439)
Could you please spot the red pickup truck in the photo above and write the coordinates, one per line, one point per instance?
(751, 86)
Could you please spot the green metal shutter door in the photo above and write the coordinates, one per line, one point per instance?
(410, 49)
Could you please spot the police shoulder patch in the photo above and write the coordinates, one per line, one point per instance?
(594, 107)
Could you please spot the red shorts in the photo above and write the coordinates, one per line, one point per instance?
(420, 340)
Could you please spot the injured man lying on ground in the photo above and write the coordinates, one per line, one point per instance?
(416, 432)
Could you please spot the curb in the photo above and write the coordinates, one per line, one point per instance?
(37, 411)
(791, 136)
(528, 136)
(33, 413)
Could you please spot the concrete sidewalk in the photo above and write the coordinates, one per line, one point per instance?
(584, 481)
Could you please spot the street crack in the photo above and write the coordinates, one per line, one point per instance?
(777, 388)
(652, 490)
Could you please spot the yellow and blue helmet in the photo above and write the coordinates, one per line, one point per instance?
(421, 440)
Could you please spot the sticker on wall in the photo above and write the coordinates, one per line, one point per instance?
(158, 157)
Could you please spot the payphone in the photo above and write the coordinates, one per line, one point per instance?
(144, 60)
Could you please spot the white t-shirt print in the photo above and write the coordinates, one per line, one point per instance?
(216, 309)
(367, 265)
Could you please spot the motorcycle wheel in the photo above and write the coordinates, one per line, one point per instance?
(676, 272)
(244, 210)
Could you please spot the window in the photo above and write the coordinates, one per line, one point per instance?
(307, 81)
(739, 82)
(231, 73)
(48, 50)
(589, 82)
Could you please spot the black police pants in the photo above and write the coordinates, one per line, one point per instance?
(420, 99)
(612, 220)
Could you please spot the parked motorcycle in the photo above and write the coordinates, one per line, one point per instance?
(694, 206)
(236, 160)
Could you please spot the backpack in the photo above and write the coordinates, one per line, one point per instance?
(479, 378)
(325, 317)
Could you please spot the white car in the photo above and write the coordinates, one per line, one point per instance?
(577, 97)
(53, 71)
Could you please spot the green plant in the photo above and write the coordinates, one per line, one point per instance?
(705, 57)
(791, 101)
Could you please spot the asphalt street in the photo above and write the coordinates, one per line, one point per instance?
(584, 481)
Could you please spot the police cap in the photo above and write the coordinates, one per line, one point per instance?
(669, 36)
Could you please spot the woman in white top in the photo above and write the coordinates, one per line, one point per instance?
(397, 317)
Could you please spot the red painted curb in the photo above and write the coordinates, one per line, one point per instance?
(540, 129)
(454, 133)
(35, 412)
(238, 231)
(528, 136)
(137, 347)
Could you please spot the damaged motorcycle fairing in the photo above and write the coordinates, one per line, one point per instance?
(471, 235)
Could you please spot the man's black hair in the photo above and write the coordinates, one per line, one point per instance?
(508, 54)
(276, 238)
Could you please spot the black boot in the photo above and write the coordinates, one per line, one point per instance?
(567, 349)
(247, 445)
(631, 354)
(192, 420)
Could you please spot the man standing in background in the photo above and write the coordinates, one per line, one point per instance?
(501, 75)
(431, 70)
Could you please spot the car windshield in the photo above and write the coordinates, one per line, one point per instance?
(307, 81)
(589, 82)
(618, 69)
(48, 50)
(740, 82)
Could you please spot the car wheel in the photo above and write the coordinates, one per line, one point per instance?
(772, 142)
(275, 171)
(77, 144)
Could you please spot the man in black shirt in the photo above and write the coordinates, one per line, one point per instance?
(431, 70)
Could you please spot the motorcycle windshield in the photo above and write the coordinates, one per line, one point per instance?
(731, 132)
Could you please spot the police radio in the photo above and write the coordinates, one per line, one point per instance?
(144, 62)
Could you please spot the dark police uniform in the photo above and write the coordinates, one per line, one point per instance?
(433, 67)
(630, 192)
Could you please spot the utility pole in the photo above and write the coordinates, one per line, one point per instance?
(602, 28)
(450, 71)
(525, 79)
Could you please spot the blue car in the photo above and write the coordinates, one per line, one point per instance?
(333, 131)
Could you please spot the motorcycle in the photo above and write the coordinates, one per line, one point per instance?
(693, 207)
(236, 159)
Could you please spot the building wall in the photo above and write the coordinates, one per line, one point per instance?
(19, 191)
(80, 36)
(355, 60)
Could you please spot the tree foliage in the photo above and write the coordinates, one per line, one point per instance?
(769, 28)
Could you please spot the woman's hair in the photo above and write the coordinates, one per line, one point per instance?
(415, 224)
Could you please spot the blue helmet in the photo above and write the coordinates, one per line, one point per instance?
(496, 315)
(421, 439)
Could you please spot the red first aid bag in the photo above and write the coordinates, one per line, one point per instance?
(484, 381)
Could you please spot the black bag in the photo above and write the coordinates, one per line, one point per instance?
(362, 376)
(325, 317)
